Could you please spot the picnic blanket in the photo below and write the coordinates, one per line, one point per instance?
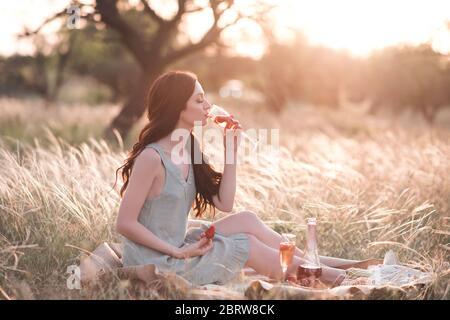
(389, 280)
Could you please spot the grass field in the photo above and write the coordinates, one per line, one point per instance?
(374, 183)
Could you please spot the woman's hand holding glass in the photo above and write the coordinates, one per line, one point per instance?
(226, 120)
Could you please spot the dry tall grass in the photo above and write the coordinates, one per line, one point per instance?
(373, 183)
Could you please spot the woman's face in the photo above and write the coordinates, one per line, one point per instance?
(197, 108)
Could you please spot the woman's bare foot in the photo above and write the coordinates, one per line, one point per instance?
(356, 282)
(338, 281)
(364, 264)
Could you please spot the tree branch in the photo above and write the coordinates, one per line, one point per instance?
(211, 36)
(28, 32)
(196, 9)
(180, 12)
(131, 37)
(166, 29)
(152, 13)
(60, 14)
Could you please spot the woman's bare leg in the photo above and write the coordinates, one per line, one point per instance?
(249, 222)
(265, 260)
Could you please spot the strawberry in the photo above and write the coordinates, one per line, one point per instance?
(210, 232)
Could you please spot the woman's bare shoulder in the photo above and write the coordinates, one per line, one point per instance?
(148, 159)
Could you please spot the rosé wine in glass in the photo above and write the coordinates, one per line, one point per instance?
(217, 113)
(287, 250)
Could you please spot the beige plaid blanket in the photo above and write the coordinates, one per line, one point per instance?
(105, 262)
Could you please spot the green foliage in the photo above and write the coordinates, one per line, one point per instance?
(98, 53)
(414, 77)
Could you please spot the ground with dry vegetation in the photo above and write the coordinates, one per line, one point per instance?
(374, 183)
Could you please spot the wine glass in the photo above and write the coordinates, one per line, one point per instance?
(219, 111)
(287, 249)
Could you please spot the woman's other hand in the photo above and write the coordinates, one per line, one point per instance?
(198, 248)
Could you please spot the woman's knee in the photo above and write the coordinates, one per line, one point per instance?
(251, 238)
(241, 222)
(248, 216)
(251, 222)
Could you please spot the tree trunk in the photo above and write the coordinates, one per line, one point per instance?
(133, 109)
(63, 60)
(429, 113)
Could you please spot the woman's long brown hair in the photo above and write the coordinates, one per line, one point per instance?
(166, 98)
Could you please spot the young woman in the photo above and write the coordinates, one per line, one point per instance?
(159, 191)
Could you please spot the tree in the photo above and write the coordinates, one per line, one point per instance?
(41, 74)
(297, 71)
(98, 53)
(155, 45)
(413, 77)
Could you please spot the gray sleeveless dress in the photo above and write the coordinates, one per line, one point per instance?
(167, 217)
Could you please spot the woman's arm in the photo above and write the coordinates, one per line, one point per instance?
(141, 179)
(224, 200)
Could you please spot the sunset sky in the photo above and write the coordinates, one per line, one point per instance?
(358, 26)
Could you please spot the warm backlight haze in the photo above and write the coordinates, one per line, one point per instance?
(354, 25)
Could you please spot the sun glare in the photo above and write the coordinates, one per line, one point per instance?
(362, 26)
(359, 26)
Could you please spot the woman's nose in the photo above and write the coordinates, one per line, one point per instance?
(207, 105)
